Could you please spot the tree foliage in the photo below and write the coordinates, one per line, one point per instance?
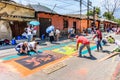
(97, 10)
(111, 5)
(117, 20)
(91, 12)
(108, 15)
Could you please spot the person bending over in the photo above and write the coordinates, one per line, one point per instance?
(84, 43)
(33, 46)
(22, 48)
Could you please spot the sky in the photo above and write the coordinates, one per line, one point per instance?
(65, 6)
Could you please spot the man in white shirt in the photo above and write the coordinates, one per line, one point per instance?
(34, 32)
(51, 35)
(72, 34)
(29, 33)
(57, 33)
(33, 46)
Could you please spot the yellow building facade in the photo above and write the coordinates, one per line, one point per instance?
(13, 19)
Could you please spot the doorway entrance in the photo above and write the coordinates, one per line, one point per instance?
(44, 23)
(74, 26)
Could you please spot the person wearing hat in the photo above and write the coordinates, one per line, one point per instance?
(84, 43)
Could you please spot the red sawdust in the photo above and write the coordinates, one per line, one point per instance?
(117, 70)
(83, 71)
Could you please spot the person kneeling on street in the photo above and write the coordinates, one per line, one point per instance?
(22, 48)
(33, 46)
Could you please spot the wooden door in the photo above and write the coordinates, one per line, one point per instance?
(44, 23)
(17, 28)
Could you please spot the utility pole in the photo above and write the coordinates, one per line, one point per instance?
(80, 13)
(94, 12)
(88, 13)
(53, 8)
(52, 12)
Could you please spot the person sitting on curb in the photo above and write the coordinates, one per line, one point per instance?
(84, 43)
(22, 48)
(33, 46)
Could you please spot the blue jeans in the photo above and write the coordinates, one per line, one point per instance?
(82, 46)
(29, 38)
(17, 49)
(98, 43)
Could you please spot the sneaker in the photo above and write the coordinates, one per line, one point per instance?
(80, 56)
(96, 50)
(91, 55)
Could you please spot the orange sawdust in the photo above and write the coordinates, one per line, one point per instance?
(83, 71)
(25, 71)
(14, 59)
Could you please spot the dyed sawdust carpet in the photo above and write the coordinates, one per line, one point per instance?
(7, 58)
(38, 60)
(70, 49)
(65, 50)
(28, 65)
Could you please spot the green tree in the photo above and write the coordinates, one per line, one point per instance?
(97, 10)
(108, 15)
(111, 5)
(91, 12)
(117, 20)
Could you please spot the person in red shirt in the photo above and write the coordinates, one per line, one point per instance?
(98, 35)
(84, 43)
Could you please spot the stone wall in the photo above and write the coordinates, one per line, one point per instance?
(5, 30)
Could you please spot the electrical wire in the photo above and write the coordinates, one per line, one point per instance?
(57, 6)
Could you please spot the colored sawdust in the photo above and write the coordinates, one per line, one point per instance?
(116, 74)
(70, 49)
(6, 68)
(12, 57)
(38, 60)
(30, 65)
(65, 50)
(83, 71)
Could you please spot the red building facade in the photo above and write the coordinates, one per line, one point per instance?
(63, 22)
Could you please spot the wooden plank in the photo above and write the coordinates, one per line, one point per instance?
(109, 56)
